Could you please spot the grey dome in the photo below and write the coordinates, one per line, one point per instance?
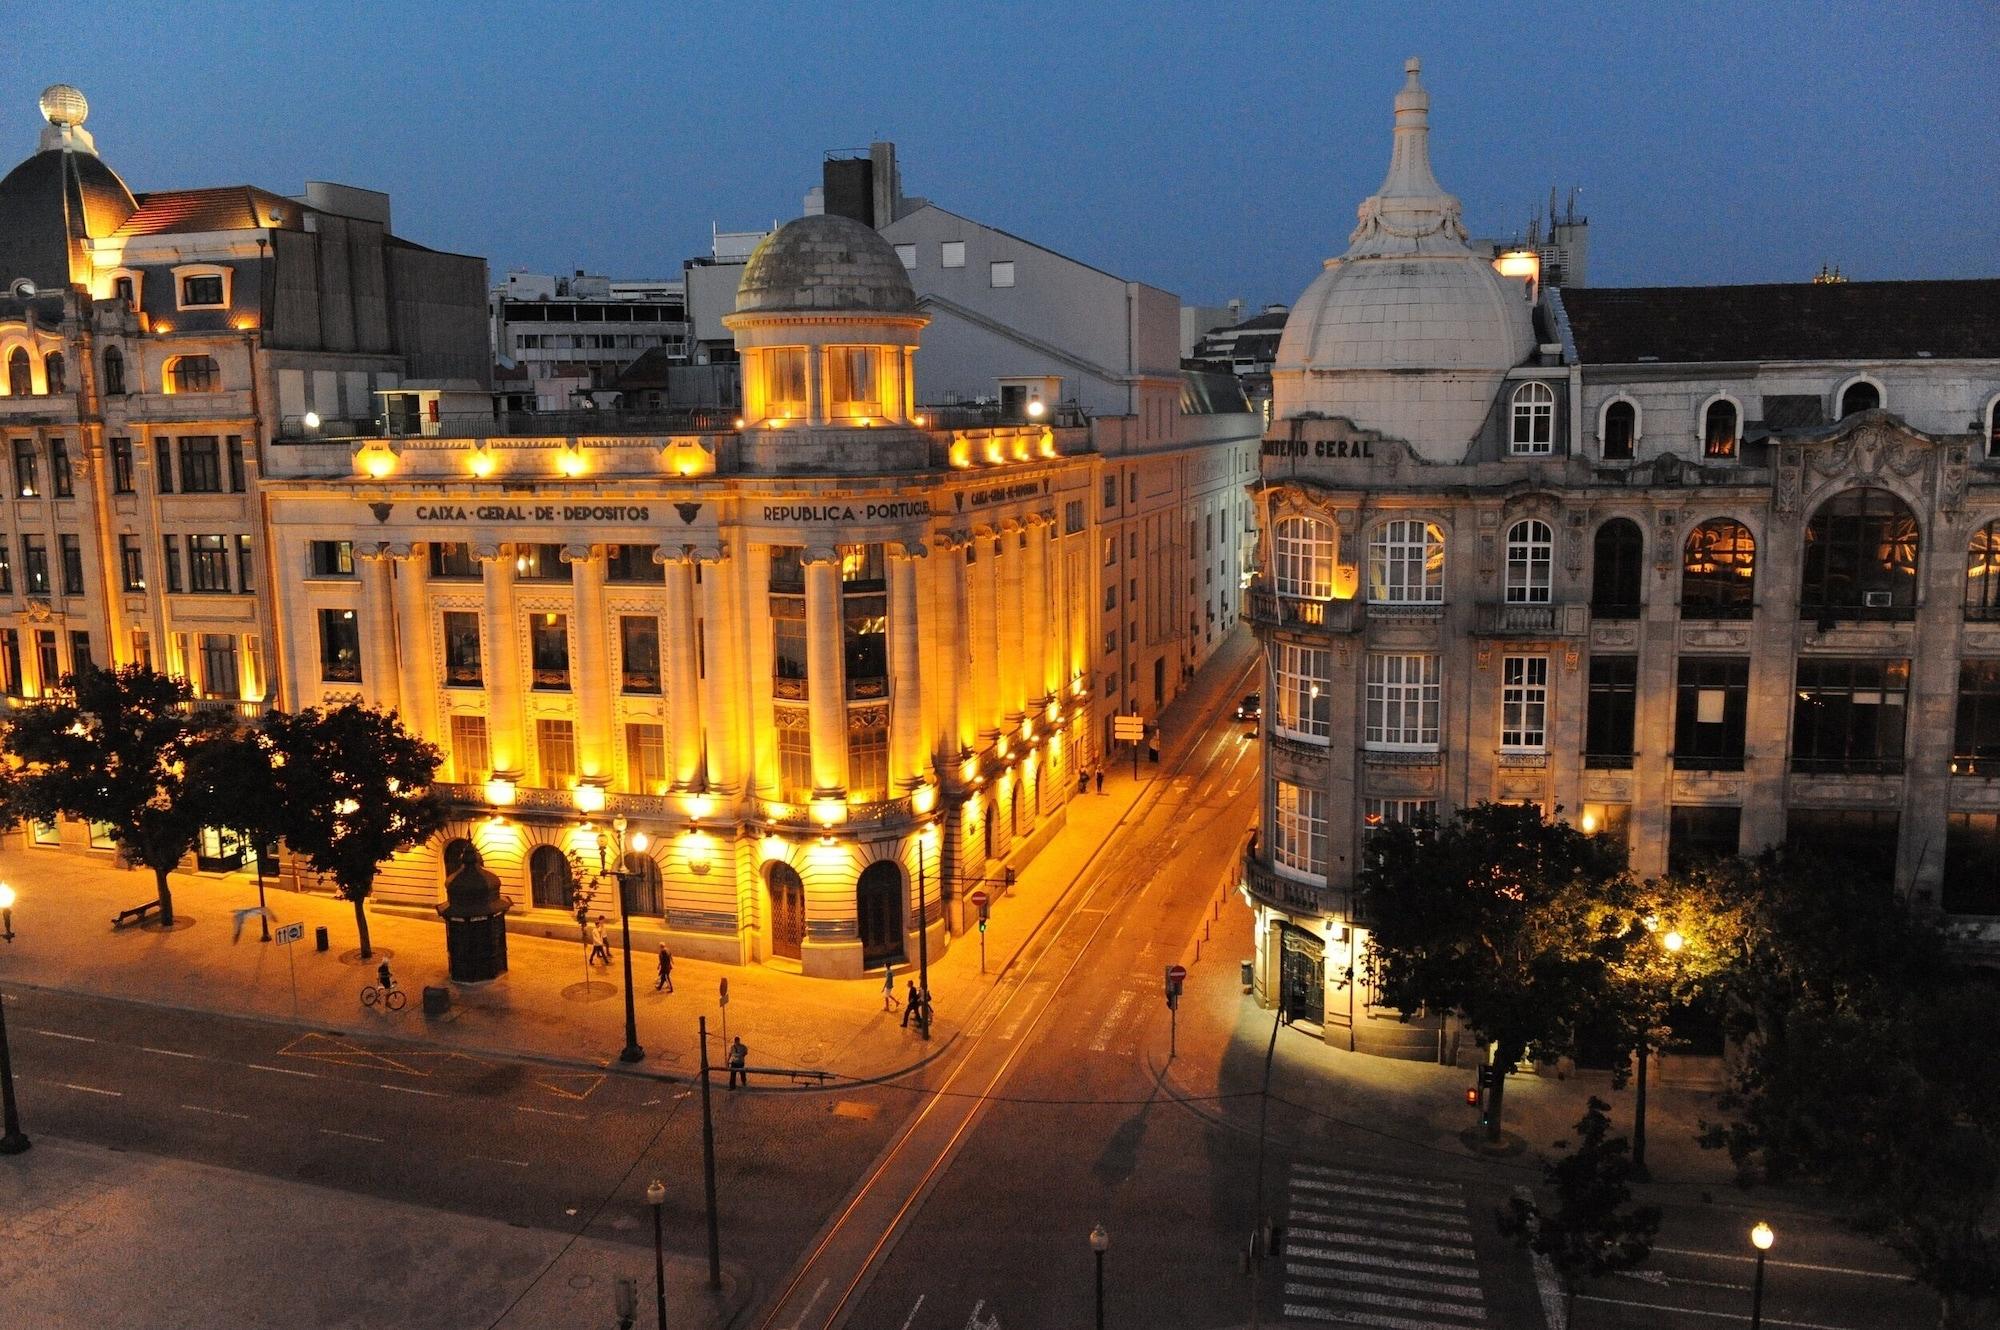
(825, 264)
(49, 205)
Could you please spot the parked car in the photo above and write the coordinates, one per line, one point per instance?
(1251, 707)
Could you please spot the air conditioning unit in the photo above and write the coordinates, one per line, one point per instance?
(1875, 600)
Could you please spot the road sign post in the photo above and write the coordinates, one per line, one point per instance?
(1130, 729)
(722, 1000)
(286, 935)
(1176, 978)
(983, 903)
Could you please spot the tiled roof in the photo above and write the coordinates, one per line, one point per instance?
(1957, 320)
(231, 208)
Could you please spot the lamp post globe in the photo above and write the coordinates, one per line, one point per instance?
(1100, 1242)
(13, 1140)
(1761, 1237)
(656, 1196)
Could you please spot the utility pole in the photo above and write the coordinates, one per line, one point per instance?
(708, 1167)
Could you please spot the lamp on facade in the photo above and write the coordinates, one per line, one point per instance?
(570, 462)
(481, 462)
(589, 797)
(377, 462)
(310, 420)
(500, 789)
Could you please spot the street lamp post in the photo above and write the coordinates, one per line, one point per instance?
(1100, 1242)
(656, 1195)
(12, 1140)
(631, 1052)
(1672, 941)
(924, 933)
(1761, 1238)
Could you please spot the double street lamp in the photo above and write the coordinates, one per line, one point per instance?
(631, 1052)
(12, 1140)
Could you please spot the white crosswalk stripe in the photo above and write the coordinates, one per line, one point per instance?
(1375, 1249)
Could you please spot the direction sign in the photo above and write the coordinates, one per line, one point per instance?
(980, 901)
(288, 934)
(1128, 729)
(1176, 976)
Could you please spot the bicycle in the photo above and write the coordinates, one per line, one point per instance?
(392, 998)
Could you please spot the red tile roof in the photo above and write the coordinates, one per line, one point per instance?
(231, 208)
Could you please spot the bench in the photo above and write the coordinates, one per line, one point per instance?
(136, 915)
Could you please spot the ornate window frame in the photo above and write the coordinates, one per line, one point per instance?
(1735, 452)
(186, 270)
(1840, 393)
(1638, 425)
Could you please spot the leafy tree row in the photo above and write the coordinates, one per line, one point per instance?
(346, 788)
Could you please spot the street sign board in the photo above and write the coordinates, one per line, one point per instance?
(1128, 729)
(722, 995)
(1176, 976)
(981, 902)
(288, 934)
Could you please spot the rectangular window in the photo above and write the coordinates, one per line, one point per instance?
(540, 563)
(788, 570)
(1298, 831)
(1711, 703)
(100, 836)
(48, 665)
(469, 760)
(44, 833)
(951, 254)
(10, 661)
(142, 648)
(339, 647)
(453, 562)
(851, 381)
(1972, 863)
(461, 649)
(784, 381)
(330, 558)
(1611, 712)
(163, 465)
(548, 647)
(131, 563)
(69, 550)
(1847, 715)
(868, 761)
(1072, 517)
(1304, 701)
(27, 473)
(1612, 820)
(795, 773)
(246, 565)
(788, 646)
(1975, 749)
(639, 652)
(170, 547)
(1111, 596)
(646, 758)
(34, 566)
(555, 750)
(1859, 843)
(6, 568)
(1403, 702)
(633, 563)
(201, 464)
(1003, 274)
(80, 658)
(60, 476)
(1379, 813)
(121, 467)
(232, 456)
(1111, 491)
(1524, 703)
(208, 563)
(218, 665)
(201, 289)
(1697, 833)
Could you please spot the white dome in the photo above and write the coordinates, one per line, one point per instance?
(1409, 296)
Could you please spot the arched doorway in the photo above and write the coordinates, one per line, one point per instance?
(642, 885)
(551, 884)
(788, 910)
(878, 913)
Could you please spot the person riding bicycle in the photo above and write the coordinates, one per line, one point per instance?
(385, 980)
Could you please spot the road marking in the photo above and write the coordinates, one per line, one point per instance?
(1112, 1020)
(87, 1089)
(1461, 1252)
(1370, 1208)
(1789, 1265)
(1343, 1316)
(550, 1112)
(1332, 1222)
(283, 1071)
(1390, 1302)
(58, 1034)
(1720, 1316)
(1335, 1267)
(911, 1319)
(1310, 1256)
(496, 1159)
(218, 1112)
(350, 1135)
(1548, 1288)
(1349, 1189)
(170, 1053)
(1471, 1291)
(411, 1089)
(1328, 1171)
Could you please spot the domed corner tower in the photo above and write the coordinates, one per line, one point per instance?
(827, 324)
(54, 203)
(1408, 297)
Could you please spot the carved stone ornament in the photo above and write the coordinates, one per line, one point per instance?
(1785, 488)
(1715, 637)
(1613, 635)
(1951, 479)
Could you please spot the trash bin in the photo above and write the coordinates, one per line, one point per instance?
(1249, 974)
(320, 941)
(437, 999)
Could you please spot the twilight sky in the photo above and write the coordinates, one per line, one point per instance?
(1215, 150)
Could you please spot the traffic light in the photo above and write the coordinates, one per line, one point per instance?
(1472, 1096)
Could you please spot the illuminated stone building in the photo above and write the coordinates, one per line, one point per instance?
(151, 345)
(1703, 569)
(835, 663)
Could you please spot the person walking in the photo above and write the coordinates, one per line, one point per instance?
(913, 1005)
(1100, 780)
(666, 979)
(889, 986)
(738, 1055)
(600, 945)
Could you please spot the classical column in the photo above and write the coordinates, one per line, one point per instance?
(378, 630)
(591, 629)
(722, 668)
(761, 763)
(1035, 618)
(418, 666)
(947, 636)
(826, 692)
(906, 695)
(683, 676)
(1013, 662)
(501, 661)
(985, 594)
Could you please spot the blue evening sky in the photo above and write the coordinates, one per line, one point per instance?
(1214, 149)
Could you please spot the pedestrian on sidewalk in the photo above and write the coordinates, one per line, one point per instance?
(913, 1007)
(666, 979)
(889, 1002)
(1100, 780)
(924, 1021)
(600, 945)
(738, 1055)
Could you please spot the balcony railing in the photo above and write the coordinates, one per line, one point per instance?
(1858, 613)
(1266, 607)
(1847, 766)
(1708, 761)
(1403, 757)
(986, 415)
(1296, 748)
(1607, 761)
(1530, 621)
(1266, 882)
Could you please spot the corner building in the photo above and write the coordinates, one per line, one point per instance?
(835, 664)
(1704, 569)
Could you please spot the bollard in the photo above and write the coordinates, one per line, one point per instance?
(437, 999)
(320, 939)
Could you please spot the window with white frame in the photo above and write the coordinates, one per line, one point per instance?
(951, 254)
(1397, 812)
(202, 287)
(1003, 273)
(1534, 419)
(1530, 559)
(1303, 550)
(1403, 701)
(1304, 708)
(1298, 830)
(1524, 703)
(1406, 564)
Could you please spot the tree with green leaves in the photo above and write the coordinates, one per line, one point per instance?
(113, 747)
(238, 786)
(1502, 917)
(1592, 1229)
(355, 787)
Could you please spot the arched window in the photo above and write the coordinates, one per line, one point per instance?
(192, 374)
(641, 885)
(1617, 560)
(20, 374)
(114, 372)
(1719, 429)
(1993, 428)
(1860, 395)
(55, 375)
(788, 909)
(1530, 562)
(878, 913)
(550, 881)
(1982, 573)
(1621, 431)
(1534, 418)
(1406, 564)
(1861, 558)
(1303, 551)
(455, 852)
(1719, 571)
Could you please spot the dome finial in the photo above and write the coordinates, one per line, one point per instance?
(1411, 212)
(1413, 67)
(65, 108)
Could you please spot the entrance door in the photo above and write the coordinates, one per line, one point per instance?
(551, 884)
(788, 911)
(1304, 975)
(878, 913)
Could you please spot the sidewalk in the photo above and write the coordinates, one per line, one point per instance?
(542, 1007)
